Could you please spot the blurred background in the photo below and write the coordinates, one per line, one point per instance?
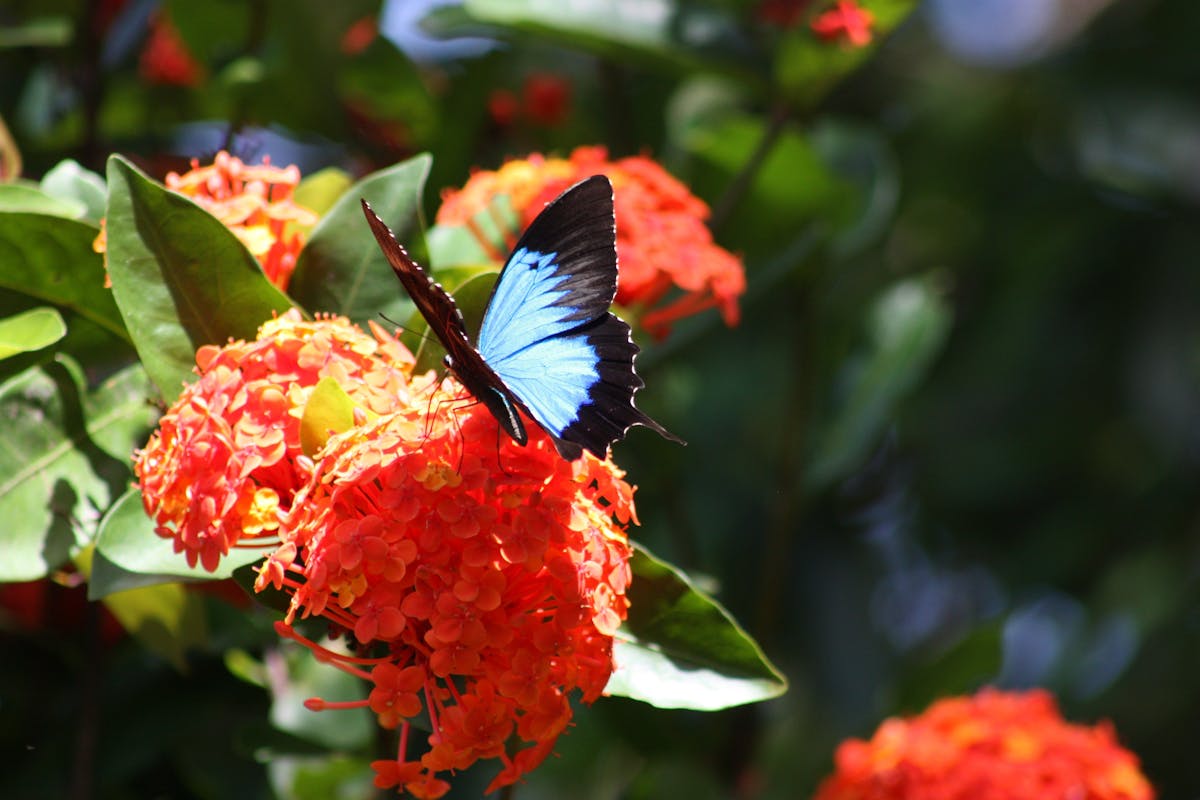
(954, 441)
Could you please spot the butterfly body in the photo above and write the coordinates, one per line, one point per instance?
(548, 346)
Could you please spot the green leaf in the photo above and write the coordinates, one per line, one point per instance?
(129, 554)
(794, 185)
(32, 199)
(51, 260)
(679, 36)
(458, 245)
(32, 330)
(48, 31)
(907, 327)
(306, 677)
(806, 66)
(341, 269)
(55, 482)
(329, 410)
(679, 648)
(71, 183)
(120, 413)
(320, 190)
(180, 277)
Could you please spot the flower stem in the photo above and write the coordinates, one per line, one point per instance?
(725, 205)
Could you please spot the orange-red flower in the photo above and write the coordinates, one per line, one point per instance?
(993, 746)
(662, 239)
(847, 21)
(226, 458)
(484, 579)
(255, 202)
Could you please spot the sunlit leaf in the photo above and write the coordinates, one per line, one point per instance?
(25, 198)
(180, 277)
(320, 190)
(51, 261)
(341, 268)
(32, 330)
(670, 34)
(71, 183)
(679, 648)
(55, 482)
(329, 410)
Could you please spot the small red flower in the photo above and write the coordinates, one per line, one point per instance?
(993, 746)
(846, 21)
(663, 243)
(503, 107)
(547, 99)
(165, 59)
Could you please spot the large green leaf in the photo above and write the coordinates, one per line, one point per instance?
(55, 481)
(679, 648)
(906, 328)
(679, 36)
(341, 268)
(50, 260)
(71, 183)
(180, 277)
(129, 554)
(32, 330)
(120, 413)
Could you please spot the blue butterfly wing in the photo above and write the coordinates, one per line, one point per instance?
(548, 333)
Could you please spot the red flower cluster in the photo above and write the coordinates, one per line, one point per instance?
(662, 239)
(993, 746)
(226, 458)
(255, 202)
(481, 580)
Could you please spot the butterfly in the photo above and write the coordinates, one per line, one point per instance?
(548, 345)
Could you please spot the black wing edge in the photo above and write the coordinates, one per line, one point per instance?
(434, 303)
(580, 226)
(610, 411)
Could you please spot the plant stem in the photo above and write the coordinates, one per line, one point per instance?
(724, 207)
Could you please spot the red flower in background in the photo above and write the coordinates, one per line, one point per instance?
(484, 580)
(663, 242)
(255, 202)
(547, 99)
(993, 746)
(165, 58)
(847, 21)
